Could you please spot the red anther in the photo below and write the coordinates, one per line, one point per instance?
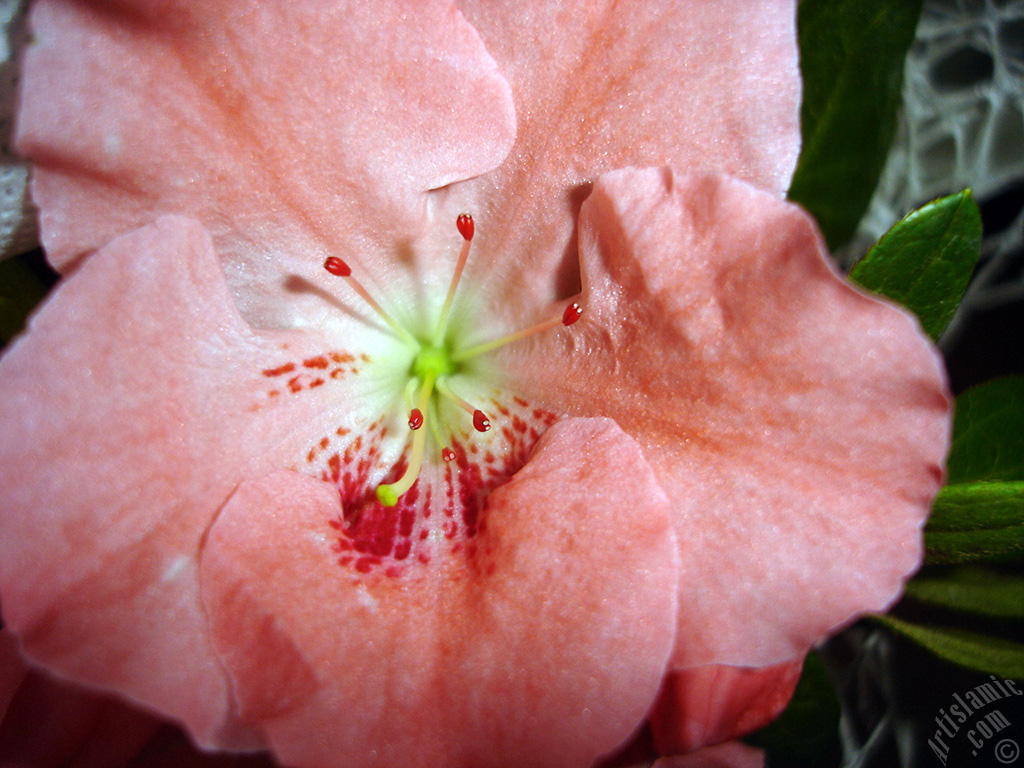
(448, 454)
(480, 422)
(572, 314)
(415, 418)
(465, 225)
(337, 267)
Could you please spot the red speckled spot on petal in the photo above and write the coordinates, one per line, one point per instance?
(442, 509)
(312, 372)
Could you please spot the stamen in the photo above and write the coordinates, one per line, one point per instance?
(339, 268)
(436, 432)
(464, 223)
(480, 421)
(571, 314)
(415, 419)
(410, 393)
(388, 495)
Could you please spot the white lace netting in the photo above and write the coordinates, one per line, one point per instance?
(963, 109)
(962, 125)
(17, 217)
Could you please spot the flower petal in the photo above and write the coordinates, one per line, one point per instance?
(798, 426)
(545, 647)
(290, 129)
(715, 703)
(734, 754)
(131, 410)
(700, 86)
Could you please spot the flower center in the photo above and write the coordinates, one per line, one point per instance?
(433, 360)
(434, 365)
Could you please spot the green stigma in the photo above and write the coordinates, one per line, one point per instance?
(386, 495)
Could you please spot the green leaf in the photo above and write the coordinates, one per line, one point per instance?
(975, 522)
(972, 590)
(926, 260)
(992, 655)
(20, 292)
(988, 432)
(807, 731)
(851, 58)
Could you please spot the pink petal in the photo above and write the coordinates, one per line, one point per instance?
(732, 755)
(716, 703)
(132, 409)
(798, 426)
(545, 646)
(697, 85)
(290, 129)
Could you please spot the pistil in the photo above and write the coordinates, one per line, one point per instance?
(388, 494)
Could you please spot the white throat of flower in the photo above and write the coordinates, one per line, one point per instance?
(435, 362)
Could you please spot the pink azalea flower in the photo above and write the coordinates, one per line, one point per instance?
(213, 502)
